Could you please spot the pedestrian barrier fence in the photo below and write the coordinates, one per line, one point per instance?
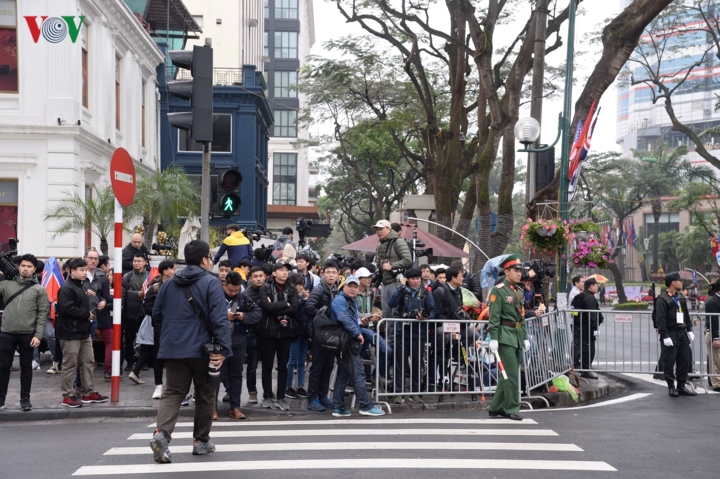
(437, 356)
(627, 342)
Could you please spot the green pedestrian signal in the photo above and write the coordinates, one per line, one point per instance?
(229, 181)
(230, 204)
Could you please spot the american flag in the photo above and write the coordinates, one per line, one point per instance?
(52, 279)
(148, 279)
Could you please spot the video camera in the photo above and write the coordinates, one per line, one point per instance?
(7, 267)
(255, 235)
(342, 260)
(541, 269)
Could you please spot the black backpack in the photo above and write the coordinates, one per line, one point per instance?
(332, 336)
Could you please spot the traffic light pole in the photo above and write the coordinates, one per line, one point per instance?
(205, 194)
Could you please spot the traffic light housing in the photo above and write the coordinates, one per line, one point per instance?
(229, 181)
(199, 90)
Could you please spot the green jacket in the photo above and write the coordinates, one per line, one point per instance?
(507, 304)
(26, 314)
(394, 249)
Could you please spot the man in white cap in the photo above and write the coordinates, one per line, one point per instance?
(393, 257)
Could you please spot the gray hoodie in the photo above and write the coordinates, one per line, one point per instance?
(26, 314)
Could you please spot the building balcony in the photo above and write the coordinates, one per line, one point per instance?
(313, 167)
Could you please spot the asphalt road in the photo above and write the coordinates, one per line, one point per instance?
(649, 436)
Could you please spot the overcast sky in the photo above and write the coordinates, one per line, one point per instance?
(329, 24)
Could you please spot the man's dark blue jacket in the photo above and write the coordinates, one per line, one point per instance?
(183, 333)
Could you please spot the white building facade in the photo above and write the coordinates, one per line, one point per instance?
(69, 97)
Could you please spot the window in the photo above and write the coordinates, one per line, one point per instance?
(267, 8)
(286, 8)
(668, 222)
(8, 48)
(284, 178)
(143, 93)
(286, 45)
(199, 20)
(285, 123)
(285, 83)
(266, 48)
(85, 66)
(222, 136)
(117, 94)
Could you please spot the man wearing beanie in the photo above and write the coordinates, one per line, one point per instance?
(585, 327)
(674, 326)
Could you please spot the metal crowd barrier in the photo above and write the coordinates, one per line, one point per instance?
(433, 356)
(550, 353)
(627, 342)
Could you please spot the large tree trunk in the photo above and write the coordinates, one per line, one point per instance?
(620, 38)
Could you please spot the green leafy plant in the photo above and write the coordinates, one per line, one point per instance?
(632, 306)
(583, 225)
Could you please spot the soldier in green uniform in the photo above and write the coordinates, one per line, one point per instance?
(508, 336)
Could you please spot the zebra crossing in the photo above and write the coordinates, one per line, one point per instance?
(377, 444)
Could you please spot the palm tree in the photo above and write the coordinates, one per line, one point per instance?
(75, 213)
(666, 172)
(164, 197)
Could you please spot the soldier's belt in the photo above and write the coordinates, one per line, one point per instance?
(510, 324)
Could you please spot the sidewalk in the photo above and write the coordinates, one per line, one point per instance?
(136, 400)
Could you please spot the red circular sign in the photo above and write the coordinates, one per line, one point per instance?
(122, 176)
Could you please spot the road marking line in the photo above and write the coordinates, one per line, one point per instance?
(363, 432)
(649, 379)
(345, 446)
(363, 463)
(610, 402)
(359, 421)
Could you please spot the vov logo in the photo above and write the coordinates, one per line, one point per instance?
(54, 29)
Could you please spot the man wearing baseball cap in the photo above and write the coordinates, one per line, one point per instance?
(672, 319)
(368, 320)
(508, 337)
(392, 254)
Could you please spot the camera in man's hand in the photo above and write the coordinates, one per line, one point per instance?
(460, 314)
(421, 313)
(212, 348)
(7, 267)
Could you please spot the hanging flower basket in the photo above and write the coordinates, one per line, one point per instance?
(592, 254)
(545, 236)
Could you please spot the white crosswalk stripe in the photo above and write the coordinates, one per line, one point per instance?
(333, 444)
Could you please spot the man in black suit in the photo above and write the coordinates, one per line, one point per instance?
(712, 333)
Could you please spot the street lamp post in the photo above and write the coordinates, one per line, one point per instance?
(564, 130)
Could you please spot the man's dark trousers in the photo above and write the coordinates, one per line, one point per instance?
(407, 362)
(252, 361)
(676, 358)
(8, 343)
(321, 368)
(179, 374)
(235, 364)
(583, 345)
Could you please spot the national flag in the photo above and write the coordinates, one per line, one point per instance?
(52, 279)
(148, 279)
(714, 244)
(580, 149)
(632, 231)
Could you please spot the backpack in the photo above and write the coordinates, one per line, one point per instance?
(332, 336)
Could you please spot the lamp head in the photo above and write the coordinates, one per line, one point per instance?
(527, 130)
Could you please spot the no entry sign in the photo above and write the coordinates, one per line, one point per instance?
(122, 177)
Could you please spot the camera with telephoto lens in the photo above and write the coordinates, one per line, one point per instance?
(7, 267)
(212, 348)
(460, 314)
(284, 321)
(421, 312)
(541, 269)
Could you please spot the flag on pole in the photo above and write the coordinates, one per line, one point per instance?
(52, 279)
(632, 231)
(580, 149)
(148, 279)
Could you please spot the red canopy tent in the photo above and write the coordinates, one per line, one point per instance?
(439, 247)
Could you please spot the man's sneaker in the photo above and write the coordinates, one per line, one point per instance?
(108, 376)
(133, 377)
(253, 398)
(157, 394)
(201, 448)
(53, 369)
(416, 399)
(93, 397)
(267, 403)
(373, 411)
(71, 401)
(301, 392)
(398, 400)
(25, 405)
(291, 393)
(159, 446)
(315, 406)
(326, 402)
(2, 404)
(35, 364)
(185, 402)
(341, 412)
(282, 405)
